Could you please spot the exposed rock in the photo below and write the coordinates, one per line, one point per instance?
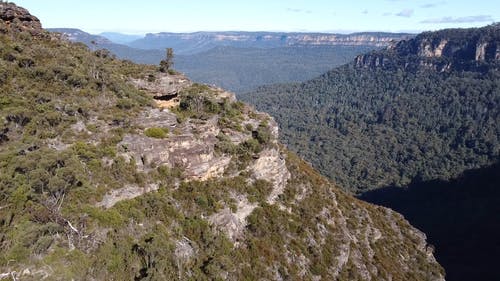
(427, 49)
(370, 61)
(191, 148)
(127, 192)
(271, 166)
(375, 39)
(79, 127)
(29, 273)
(195, 156)
(443, 50)
(233, 224)
(184, 249)
(235, 136)
(190, 145)
(17, 19)
(438, 52)
(349, 39)
(57, 144)
(273, 129)
(481, 51)
(163, 87)
(156, 117)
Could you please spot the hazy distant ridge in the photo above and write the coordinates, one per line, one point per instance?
(187, 43)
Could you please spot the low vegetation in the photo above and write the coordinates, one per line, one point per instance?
(157, 133)
(65, 113)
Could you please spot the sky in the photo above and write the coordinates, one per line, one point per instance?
(151, 16)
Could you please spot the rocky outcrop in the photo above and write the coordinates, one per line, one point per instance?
(354, 231)
(355, 39)
(426, 49)
(125, 193)
(233, 223)
(271, 166)
(164, 88)
(371, 60)
(481, 51)
(190, 147)
(16, 19)
(446, 50)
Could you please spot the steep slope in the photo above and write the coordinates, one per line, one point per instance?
(114, 171)
(422, 109)
(467, 206)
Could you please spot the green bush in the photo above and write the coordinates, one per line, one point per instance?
(262, 134)
(157, 133)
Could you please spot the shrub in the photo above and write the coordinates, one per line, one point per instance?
(157, 133)
(125, 104)
(262, 134)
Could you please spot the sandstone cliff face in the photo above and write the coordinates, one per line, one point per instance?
(426, 49)
(359, 229)
(17, 19)
(131, 188)
(348, 40)
(271, 39)
(442, 51)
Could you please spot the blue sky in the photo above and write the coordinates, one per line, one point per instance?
(138, 17)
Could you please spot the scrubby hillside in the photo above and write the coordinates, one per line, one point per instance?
(115, 171)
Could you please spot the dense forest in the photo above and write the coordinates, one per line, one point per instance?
(243, 69)
(396, 119)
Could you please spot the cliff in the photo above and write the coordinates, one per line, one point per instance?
(445, 50)
(115, 171)
(207, 40)
(18, 19)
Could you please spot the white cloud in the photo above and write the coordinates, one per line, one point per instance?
(405, 13)
(299, 11)
(468, 19)
(432, 5)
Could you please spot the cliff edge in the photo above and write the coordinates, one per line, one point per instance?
(115, 171)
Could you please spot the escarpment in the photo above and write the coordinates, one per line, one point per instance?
(101, 181)
(445, 50)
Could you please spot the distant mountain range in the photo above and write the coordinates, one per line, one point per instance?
(122, 51)
(241, 61)
(120, 38)
(191, 43)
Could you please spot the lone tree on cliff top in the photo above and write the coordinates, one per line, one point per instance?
(167, 63)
